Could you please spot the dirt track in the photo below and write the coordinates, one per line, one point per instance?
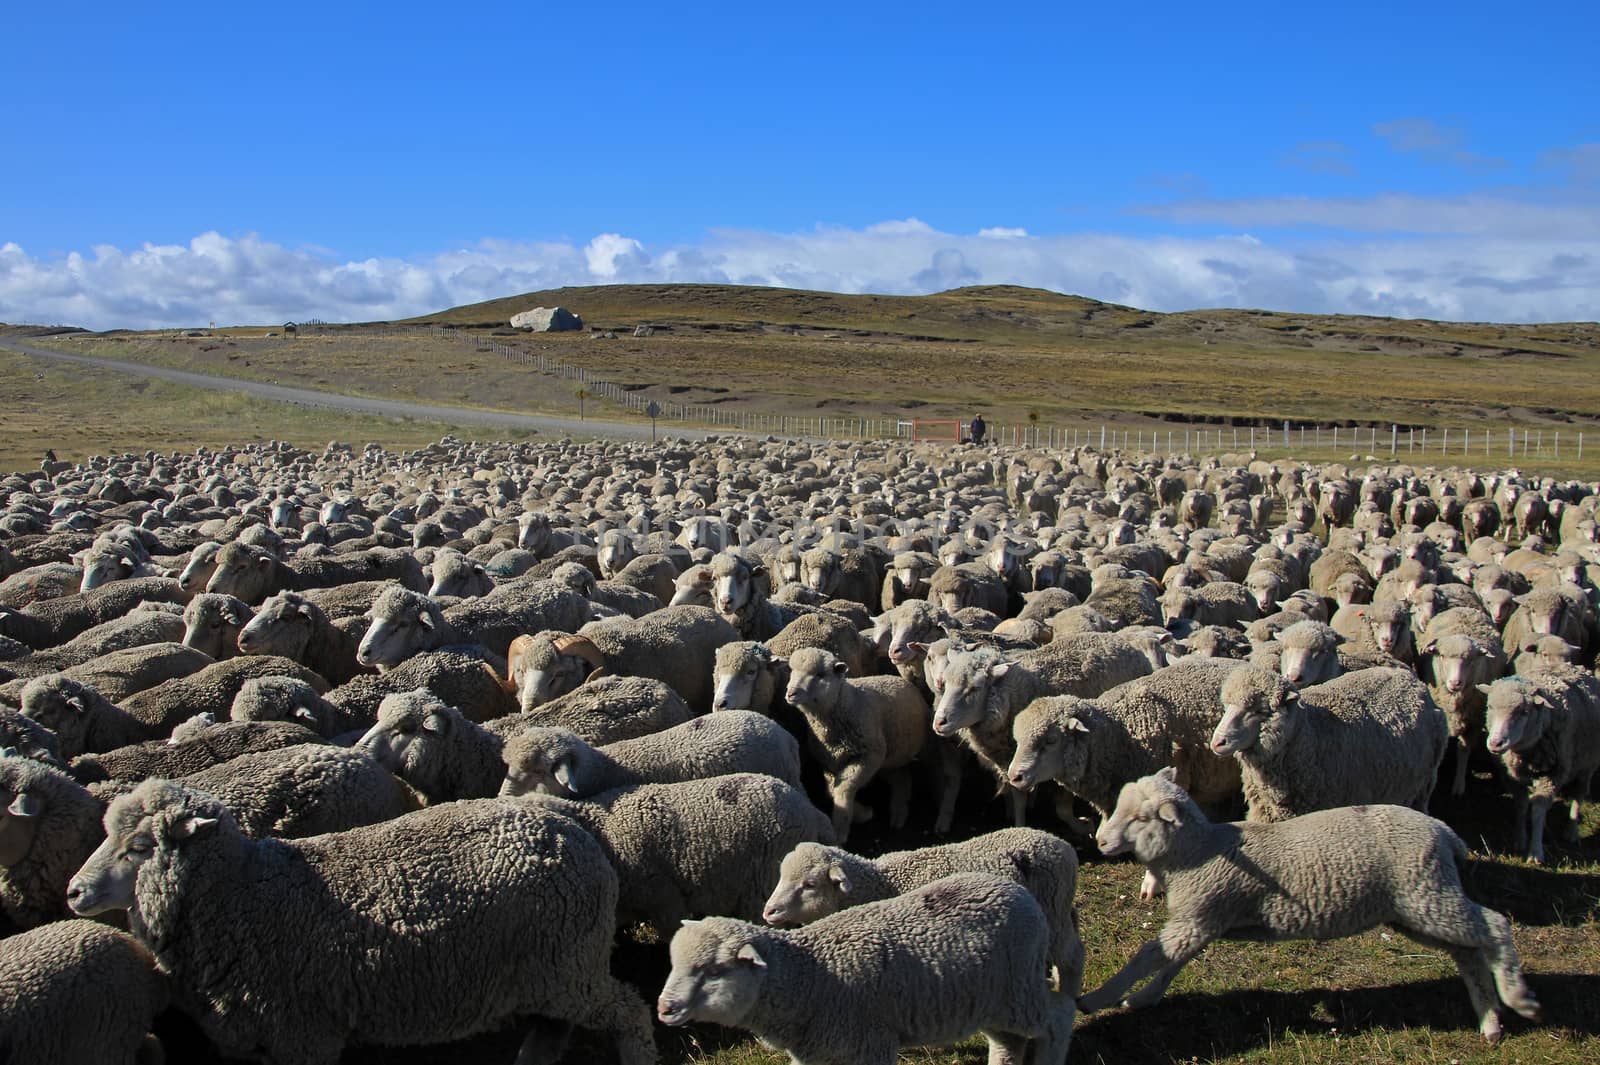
(389, 407)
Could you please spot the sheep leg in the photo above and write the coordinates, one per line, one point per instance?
(1164, 956)
(899, 797)
(1519, 822)
(1018, 801)
(1450, 921)
(842, 787)
(1458, 786)
(617, 1009)
(1007, 1048)
(1538, 809)
(546, 1041)
(1574, 829)
(1051, 1048)
(1474, 970)
(1151, 887)
(1067, 956)
(949, 785)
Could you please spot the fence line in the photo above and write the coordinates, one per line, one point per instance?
(1368, 439)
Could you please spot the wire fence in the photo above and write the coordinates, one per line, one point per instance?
(1393, 441)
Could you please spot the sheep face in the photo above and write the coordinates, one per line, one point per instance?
(278, 699)
(733, 584)
(403, 623)
(694, 587)
(543, 760)
(616, 551)
(158, 817)
(912, 628)
(1149, 813)
(64, 707)
(966, 679)
(812, 883)
(242, 572)
(819, 571)
(410, 730)
(1453, 662)
(1544, 611)
(285, 514)
(1251, 699)
(738, 668)
(1050, 746)
(1178, 604)
(20, 812)
(29, 739)
(1352, 588)
(1516, 714)
(814, 679)
(1501, 604)
(716, 975)
(1264, 587)
(103, 567)
(212, 624)
(548, 674)
(283, 626)
(1308, 653)
(455, 574)
(533, 533)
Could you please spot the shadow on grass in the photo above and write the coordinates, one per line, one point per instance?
(1203, 1026)
(1531, 895)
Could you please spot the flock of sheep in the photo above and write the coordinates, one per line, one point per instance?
(371, 748)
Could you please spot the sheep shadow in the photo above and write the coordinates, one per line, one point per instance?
(1204, 1027)
(1534, 895)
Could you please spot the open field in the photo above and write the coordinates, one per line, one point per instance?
(82, 411)
(1004, 351)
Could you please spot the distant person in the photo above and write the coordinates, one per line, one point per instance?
(976, 430)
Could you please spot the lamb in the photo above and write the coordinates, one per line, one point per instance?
(677, 645)
(405, 623)
(290, 626)
(465, 678)
(816, 881)
(1544, 653)
(968, 584)
(253, 574)
(28, 738)
(288, 699)
(210, 690)
(698, 847)
(149, 624)
(860, 728)
(964, 954)
(850, 573)
(196, 573)
(1372, 736)
(747, 675)
(1377, 628)
(1394, 866)
(196, 745)
(982, 691)
(1461, 650)
(434, 749)
(607, 709)
(212, 624)
(556, 761)
(1092, 748)
(51, 622)
(454, 574)
(1545, 729)
(79, 993)
(739, 591)
(347, 917)
(48, 825)
(1216, 603)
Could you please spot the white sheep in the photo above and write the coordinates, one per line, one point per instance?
(556, 761)
(1545, 729)
(79, 993)
(816, 880)
(964, 954)
(860, 728)
(697, 847)
(1325, 875)
(292, 949)
(1460, 650)
(433, 748)
(1373, 736)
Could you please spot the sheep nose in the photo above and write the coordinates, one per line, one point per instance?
(1219, 746)
(1019, 780)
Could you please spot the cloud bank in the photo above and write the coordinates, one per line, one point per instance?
(1472, 258)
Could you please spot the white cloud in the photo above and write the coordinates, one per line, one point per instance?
(1002, 232)
(1473, 258)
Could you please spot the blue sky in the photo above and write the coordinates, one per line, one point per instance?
(176, 162)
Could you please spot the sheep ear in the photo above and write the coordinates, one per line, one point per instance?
(125, 562)
(304, 608)
(264, 561)
(77, 703)
(1076, 724)
(749, 953)
(919, 647)
(1291, 696)
(1168, 773)
(837, 874)
(433, 723)
(188, 827)
(480, 571)
(999, 669)
(841, 668)
(1540, 700)
(565, 776)
(424, 620)
(1168, 811)
(1277, 637)
(301, 713)
(25, 805)
(758, 570)
(1484, 688)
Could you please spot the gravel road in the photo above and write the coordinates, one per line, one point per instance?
(390, 407)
